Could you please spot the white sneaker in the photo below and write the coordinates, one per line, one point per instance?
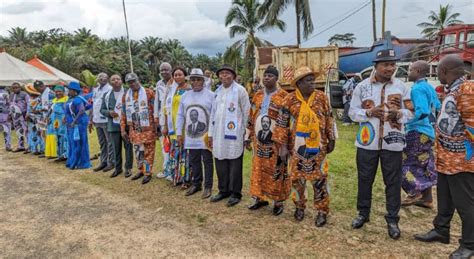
(169, 178)
(160, 175)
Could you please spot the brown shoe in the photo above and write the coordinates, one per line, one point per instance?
(206, 193)
(411, 200)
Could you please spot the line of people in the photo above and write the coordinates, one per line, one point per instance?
(289, 134)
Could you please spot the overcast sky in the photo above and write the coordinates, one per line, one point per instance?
(199, 24)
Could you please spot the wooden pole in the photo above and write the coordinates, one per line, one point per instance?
(128, 37)
(383, 16)
(374, 27)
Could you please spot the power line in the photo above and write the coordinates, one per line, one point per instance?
(340, 21)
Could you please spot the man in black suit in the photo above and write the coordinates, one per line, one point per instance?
(265, 135)
(196, 128)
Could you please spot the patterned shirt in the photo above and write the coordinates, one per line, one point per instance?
(455, 129)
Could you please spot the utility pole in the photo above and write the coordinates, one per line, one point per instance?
(374, 28)
(383, 17)
(128, 37)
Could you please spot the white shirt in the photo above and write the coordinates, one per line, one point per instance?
(201, 102)
(368, 94)
(228, 148)
(97, 97)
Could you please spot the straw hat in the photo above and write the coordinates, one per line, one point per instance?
(196, 72)
(31, 89)
(302, 72)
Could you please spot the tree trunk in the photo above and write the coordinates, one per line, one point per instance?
(298, 25)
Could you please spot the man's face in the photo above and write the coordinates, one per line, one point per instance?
(40, 88)
(385, 69)
(165, 73)
(413, 73)
(269, 80)
(16, 88)
(307, 85)
(197, 83)
(134, 85)
(226, 77)
(102, 79)
(208, 74)
(266, 123)
(442, 74)
(116, 82)
(238, 79)
(451, 109)
(193, 115)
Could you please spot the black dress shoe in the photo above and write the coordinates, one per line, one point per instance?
(462, 252)
(359, 221)
(18, 150)
(61, 159)
(108, 168)
(37, 153)
(42, 156)
(393, 231)
(218, 197)
(115, 174)
(277, 210)
(146, 179)
(299, 214)
(26, 152)
(192, 190)
(320, 220)
(233, 201)
(432, 236)
(128, 173)
(137, 176)
(258, 204)
(100, 168)
(206, 193)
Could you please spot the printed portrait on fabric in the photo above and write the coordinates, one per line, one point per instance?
(264, 128)
(196, 121)
(449, 121)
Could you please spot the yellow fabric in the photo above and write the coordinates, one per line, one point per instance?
(50, 149)
(308, 122)
(174, 110)
(60, 100)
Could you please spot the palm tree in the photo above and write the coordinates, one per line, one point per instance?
(84, 34)
(439, 21)
(179, 57)
(62, 57)
(18, 37)
(244, 20)
(272, 9)
(152, 52)
(346, 39)
(232, 55)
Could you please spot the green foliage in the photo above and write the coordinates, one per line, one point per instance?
(439, 21)
(88, 78)
(346, 39)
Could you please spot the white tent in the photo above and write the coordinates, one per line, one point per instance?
(14, 70)
(38, 63)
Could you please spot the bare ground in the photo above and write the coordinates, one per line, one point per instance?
(48, 211)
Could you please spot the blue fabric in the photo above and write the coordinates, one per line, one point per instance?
(57, 116)
(78, 150)
(426, 103)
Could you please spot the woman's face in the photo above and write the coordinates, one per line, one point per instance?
(72, 93)
(59, 94)
(179, 76)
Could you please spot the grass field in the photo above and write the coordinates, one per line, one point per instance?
(262, 231)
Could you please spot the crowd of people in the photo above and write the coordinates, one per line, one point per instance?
(290, 135)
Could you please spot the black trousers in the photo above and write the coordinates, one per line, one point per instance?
(229, 176)
(456, 192)
(117, 142)
(196, 158)
(391, 163)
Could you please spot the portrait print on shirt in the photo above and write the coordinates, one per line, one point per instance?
(196, 121)
(264, 134)
(449, 121)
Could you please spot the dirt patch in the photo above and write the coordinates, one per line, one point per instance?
(48, 211)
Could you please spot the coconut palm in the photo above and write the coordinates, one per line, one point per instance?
(346, 39)
(152, 52)
(179, 57)
(439, 21)
(244, 19)
(18, 37)
(272, 9)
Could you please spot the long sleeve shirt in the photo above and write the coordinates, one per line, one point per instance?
(224, 148)
(455, 129)
(425, 103)
(195, 132)
(376, 134)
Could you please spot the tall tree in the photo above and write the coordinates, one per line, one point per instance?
(18, 37)
(244, 19)
(439, 21)
(152, 52)
(272, 9)
(346, 39)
